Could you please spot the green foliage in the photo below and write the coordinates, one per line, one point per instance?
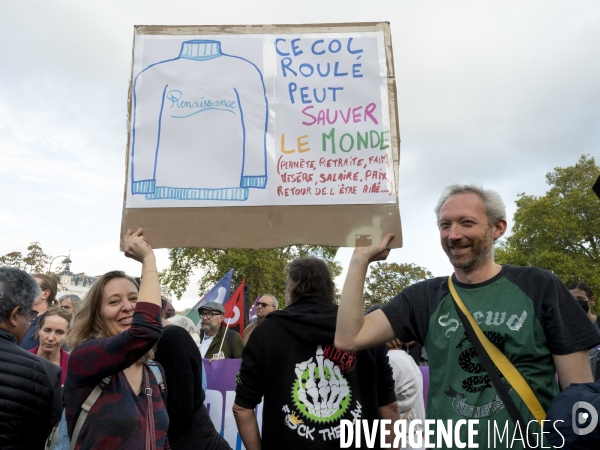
(263, 269)
(559, 231)
(12, 259)
(387, 279)
(34, 262)
(36, 259)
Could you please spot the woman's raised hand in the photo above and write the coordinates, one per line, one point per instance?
(135, 246)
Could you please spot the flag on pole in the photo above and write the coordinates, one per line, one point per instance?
(218, 293)
(252, 313)
(234, 310)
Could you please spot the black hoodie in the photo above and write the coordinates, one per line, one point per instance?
(284, 360)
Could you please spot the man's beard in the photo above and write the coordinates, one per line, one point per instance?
(481, 251)
(209, 328)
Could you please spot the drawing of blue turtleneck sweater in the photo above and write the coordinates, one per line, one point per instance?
(199, 126)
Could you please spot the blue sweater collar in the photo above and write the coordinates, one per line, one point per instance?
(200, 49)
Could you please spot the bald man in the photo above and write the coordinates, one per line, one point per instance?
(267, 304)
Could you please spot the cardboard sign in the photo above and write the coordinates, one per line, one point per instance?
(262, 136)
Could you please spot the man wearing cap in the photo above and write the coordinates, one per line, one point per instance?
(267, 304)
(215, 336)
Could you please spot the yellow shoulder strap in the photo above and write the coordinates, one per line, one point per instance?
(509, 371)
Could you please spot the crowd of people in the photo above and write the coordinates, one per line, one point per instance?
(120, 370)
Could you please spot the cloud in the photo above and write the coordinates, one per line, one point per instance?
(488, 92)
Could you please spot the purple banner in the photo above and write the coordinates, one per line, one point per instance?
(220, 395)
(425, 373)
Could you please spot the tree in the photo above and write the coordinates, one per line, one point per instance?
(12, 259)
(34, 262)
(387, 279)
(36, 259)
(559, 231)
(263, 269)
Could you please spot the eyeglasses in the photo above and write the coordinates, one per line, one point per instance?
(209, 315)
(264, 305)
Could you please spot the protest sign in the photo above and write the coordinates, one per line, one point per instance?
(262, 136)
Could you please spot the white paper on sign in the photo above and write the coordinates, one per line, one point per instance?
(260, 120)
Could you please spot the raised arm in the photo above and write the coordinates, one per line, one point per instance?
(137, 248)
(97, 358)
(354, 331)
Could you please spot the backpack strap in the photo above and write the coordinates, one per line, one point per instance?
(157, 374)
(85, 409)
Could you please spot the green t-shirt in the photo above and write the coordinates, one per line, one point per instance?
(526, 312)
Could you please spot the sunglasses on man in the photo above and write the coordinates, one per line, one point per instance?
(264, 305)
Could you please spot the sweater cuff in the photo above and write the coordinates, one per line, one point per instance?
(254, 181)
(143, 187)
(150, 309)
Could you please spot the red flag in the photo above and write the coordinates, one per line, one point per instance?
(234, 309)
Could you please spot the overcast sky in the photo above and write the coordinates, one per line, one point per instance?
(497, 93)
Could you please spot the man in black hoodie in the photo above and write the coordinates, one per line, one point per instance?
(308, 385)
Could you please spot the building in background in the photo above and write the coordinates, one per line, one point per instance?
(80, 283)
